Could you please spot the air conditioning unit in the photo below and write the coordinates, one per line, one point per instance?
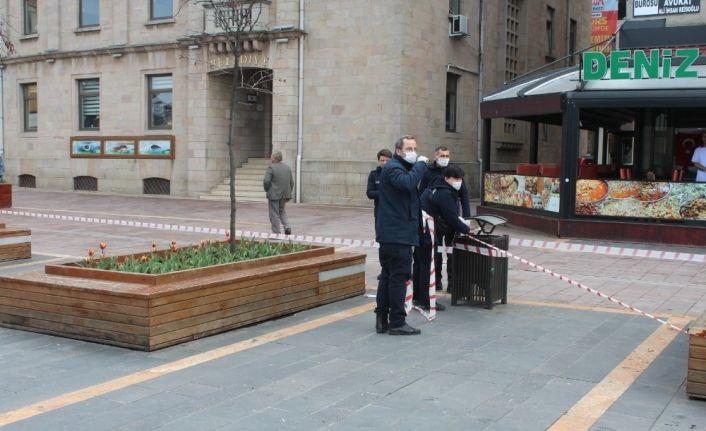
(458, 26)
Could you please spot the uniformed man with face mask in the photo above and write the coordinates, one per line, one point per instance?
(397, 231)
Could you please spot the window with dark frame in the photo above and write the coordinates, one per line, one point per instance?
(89, 13)
(161, 9)
(455, 7)
(89, 104)
(451, 98)
(512, 39)
(29, 106)
(549, 42)
(573, 26)
(30, 17)
(622, 9)
(160, 101)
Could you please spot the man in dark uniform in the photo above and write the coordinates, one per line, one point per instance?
(442, 158)
(397, 231)
(440, 201)
(372, 192)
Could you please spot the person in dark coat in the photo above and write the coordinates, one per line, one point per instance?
(397, 231)
(374, 178)
(278, 184)
(440, 201)
(442, 158)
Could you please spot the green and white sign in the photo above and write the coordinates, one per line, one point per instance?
(640, 64)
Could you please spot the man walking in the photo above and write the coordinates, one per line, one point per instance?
(397, 231)
(278, 184)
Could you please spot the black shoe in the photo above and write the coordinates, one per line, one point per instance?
(381, 324)
(288, 231)
(405, 330)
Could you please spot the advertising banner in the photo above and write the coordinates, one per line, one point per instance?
(665, 7)
(642, 199)
(604, 21)
(526, 191)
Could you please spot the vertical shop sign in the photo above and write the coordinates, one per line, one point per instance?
(604, 21)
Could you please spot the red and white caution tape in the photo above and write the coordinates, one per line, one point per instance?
(503, 253)
(514, 242)
(431, 314)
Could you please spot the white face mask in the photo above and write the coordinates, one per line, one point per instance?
(410, 157)
(443, 162)
(456, 184)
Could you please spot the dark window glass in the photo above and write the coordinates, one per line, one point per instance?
(30, 16)
(160, 102)
(89, 13)
(622, 9)
(455, 7)
(29, 96)
(89, 104)
(451, 97)
(549, 42)
(160, 9)
(572, 39)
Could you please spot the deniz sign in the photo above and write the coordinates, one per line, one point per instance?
(665, 7)
(652, 64)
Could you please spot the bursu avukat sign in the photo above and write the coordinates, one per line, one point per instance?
(652, 64)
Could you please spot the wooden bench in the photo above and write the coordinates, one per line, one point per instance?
(696, 376)
(15, 243)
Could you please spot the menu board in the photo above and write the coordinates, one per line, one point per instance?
(643, 199)
(526, 191)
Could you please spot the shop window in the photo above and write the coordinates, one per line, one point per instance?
(455, 7)
(86, 184)
(30, 17)
(160, 9)
(30, 109)
(549, 37)
(160, 101)
(451, 101)
(155, 186)
(89, 104)
(29, 181)
(89, 13)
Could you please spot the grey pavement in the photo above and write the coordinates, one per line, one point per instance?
(520, 366)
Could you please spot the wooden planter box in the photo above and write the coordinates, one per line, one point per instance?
(149, 312)
(5, 195)
(15, 243)
(696, 375)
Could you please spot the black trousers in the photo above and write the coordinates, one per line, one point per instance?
(422, 267)
(396, 263)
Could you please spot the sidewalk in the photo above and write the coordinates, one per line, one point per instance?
(520, 366)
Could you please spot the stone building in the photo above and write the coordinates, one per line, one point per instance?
(132, 96)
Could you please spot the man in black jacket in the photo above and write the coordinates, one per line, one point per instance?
(437, 169)
(397, 231)
(440, 201)
(374, 178)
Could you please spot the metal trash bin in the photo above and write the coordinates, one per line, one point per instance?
(477, 278)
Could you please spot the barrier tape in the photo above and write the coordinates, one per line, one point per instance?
(515, 242)
(503, 253)
(431, 314)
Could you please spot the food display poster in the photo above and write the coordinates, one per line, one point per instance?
(526, 191)
(122, 147)
(641, 199)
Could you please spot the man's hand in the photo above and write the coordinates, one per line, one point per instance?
(423, 159)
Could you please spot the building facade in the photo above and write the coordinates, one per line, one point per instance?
(132, 96)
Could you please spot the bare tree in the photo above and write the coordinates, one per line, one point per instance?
(236, 19)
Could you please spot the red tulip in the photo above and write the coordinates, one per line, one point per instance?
(154, 246)
(91, 252)
(102, 245)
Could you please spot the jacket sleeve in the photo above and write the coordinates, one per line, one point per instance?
(407, 180)
(372, 192)
(291, 182)
(445, 203)
(465, 203)
(424, 183)
(267, 182)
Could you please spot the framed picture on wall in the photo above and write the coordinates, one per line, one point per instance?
(86, 147)
(119, 147)
(156, 147)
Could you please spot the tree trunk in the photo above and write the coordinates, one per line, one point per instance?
(235, 49)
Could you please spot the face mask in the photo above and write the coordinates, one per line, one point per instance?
(410, 157)
(443, 162)
(457, 185)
